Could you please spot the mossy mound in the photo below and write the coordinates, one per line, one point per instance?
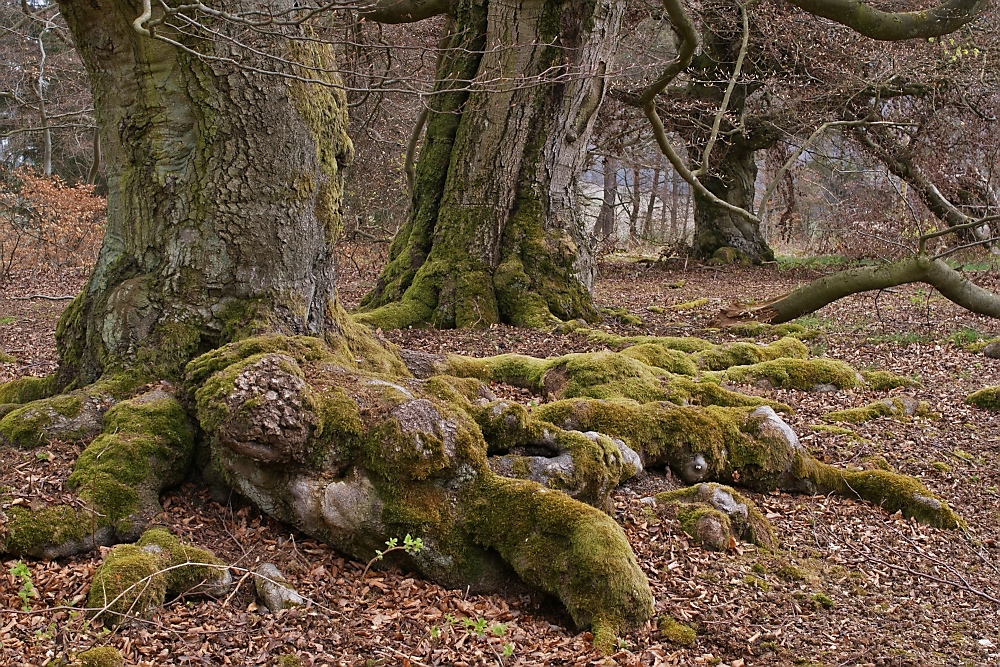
(896, 406)
(728, 256)
(745, 354)
(6, 358)
(800, 374)
(147, 445)
(59, 416)
(565, 548)
(883, 380)
(988, 399)
(622, 315)
(190, 570)
(101, 656)
(27, 389)
(135, 579)
(675, 632)
(716, 515)
(129, 583)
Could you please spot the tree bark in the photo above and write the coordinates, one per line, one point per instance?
(220, 220)
(494, 234)
(604, 228)
(647, 224)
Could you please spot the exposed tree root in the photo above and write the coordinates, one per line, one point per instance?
(494, 490)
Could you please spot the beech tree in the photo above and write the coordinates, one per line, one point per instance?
(210, 334)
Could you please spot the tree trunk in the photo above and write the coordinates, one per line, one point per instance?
(633, 216)
(604, 228)
(647, 224)
(494, 235)
(220, 220)
(732, 180)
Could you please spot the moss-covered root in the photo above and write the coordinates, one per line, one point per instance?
(717, 516)
(586, 466)
(890, 490)
(101, 656)
(565, 548)
(134, 579)
(988, 398)
(895, 406)
(27, 389)
(801, 374)
(744, 354)
(146, 446)
(75, 416)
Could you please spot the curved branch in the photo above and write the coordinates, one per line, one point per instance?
(893, 26)
(920, 268)
(404, 11)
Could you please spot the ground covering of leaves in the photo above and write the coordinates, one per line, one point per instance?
(849, 585)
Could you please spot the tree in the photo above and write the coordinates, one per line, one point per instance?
(493, 235)
(210, 335)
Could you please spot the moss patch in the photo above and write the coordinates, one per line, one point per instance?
(801, 374)
(128, 583)
(676, 633)
(744, 354)
(988, 399)
(26, 426)
(715, 514)
(888, 407)
(101, 656)
(882, 380)
(27, 389)
(190, 569)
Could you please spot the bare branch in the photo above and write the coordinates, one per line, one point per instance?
(893, 26)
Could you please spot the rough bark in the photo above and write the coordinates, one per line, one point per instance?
(219, 218)
(818, 293)
(494, 234)
(604, 227)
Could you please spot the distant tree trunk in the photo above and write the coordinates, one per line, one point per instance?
(494, 234)
(605, 226)
(675, 205)
(732, 180)
(647, 226)
(633, 216)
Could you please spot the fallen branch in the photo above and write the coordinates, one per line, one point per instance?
(63, 297)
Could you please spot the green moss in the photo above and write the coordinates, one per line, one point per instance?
(699, 509)
(27, 389)
(147, 445)
(676, 633)
(27, 529)
(564, 548)
(941, 466)
(6, 358)
(791, 572)
(836, 430)
(622, 315)
(801, 374)
(744, 354)
(728, 256)
(988, 399)
(890, 490)
(189, 566)
(822, 601)
(888, 407)
(882, 380)
(287, 660)
(129, 582)
(660, 356)
(690, 305)
(26, 426)
(101, 656)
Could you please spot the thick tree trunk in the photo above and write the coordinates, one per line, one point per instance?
(732, 180)
(494, 234)
(220, 219)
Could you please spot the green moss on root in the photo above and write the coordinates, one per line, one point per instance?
(27, 389)
(564, 548)
(741, 519)
(891, 491)
(129, 583)
(883, 380)
(28, 528)
(801, 374)
(888, 407)
(988, 399)
(189, 568)
(745, 354)
(25, 426)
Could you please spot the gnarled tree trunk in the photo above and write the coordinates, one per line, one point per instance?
(494, 234)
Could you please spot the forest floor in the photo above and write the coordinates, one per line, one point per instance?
(849, 584)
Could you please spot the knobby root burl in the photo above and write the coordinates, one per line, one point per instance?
(496, 492)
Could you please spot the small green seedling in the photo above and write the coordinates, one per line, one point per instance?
(20, 571)
(411, 545)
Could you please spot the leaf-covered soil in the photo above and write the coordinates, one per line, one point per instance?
(850, 584)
